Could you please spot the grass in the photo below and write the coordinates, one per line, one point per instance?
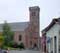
(10, 48)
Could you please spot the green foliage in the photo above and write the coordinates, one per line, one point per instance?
(1, 40)
(21, 46)
(15, 45)
(11, 43)
(7, 33)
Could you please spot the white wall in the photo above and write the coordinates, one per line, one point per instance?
(54, 31)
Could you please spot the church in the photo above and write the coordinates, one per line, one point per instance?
(27, 32)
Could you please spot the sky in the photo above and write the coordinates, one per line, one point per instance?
(18, 10)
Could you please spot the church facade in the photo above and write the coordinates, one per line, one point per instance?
(27, 32)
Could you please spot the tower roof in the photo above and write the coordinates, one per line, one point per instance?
(34, 8)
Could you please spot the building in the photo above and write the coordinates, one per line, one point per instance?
(52, 34)
(27, 32)
(43, 42)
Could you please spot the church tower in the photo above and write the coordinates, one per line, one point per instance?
(34, 22)
(34, 14)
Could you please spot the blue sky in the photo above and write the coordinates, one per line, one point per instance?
(18, 11)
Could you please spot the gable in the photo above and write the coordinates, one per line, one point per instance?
(54, 21)
(54, 31)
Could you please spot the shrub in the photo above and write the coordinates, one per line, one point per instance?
(21, 46)
(11, 43)
(15, 45)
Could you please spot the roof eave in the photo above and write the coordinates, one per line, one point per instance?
(54, 21)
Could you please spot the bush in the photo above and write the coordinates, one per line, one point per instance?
(4, 47)
(15, 45)
(11, 43)
(21, 46)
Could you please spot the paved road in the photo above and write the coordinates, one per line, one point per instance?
(25, 51)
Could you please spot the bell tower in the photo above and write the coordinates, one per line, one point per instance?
(34, 14)
(34, 22)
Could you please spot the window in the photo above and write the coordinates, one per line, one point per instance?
(33, 13)
(20, 37)
(55, 41)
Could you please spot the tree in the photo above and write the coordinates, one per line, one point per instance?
(1, 41)
(7, 33)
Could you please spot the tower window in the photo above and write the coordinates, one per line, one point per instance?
(33, 13)
(20, 37)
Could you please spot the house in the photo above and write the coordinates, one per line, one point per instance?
(52, 34)
(43, 42)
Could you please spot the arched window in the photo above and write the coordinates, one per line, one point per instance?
(20, 37)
